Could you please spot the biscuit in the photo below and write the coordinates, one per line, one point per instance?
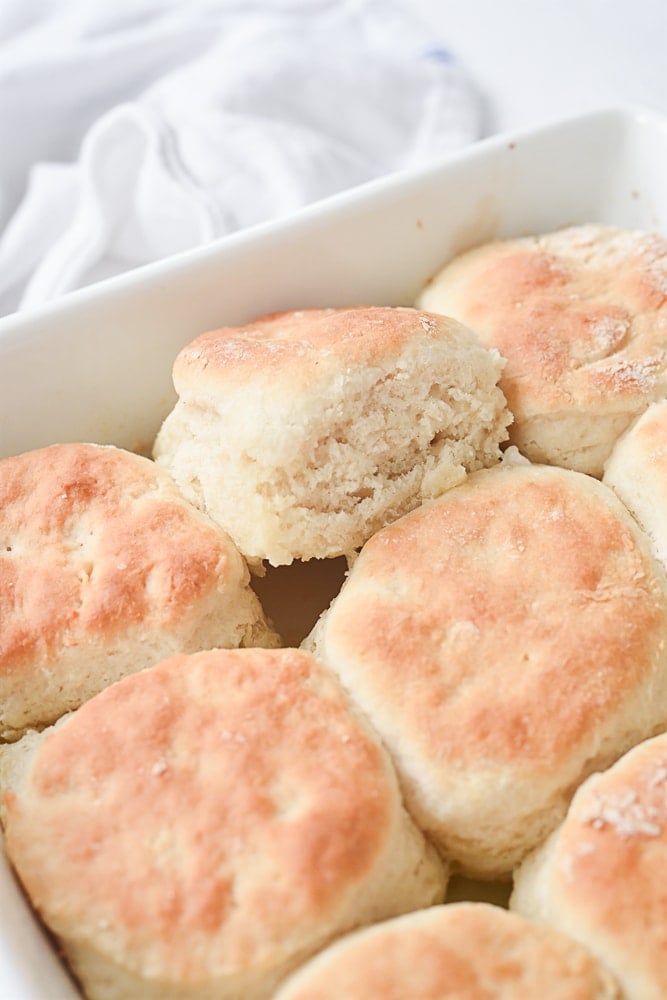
(600, 876)
(636, 470)
(304, 432)
(105, 569)
(505, 640)
(201, 827)
(581, 317)
(463, 950)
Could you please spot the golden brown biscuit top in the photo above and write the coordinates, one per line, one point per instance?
(502, 622)
(201, 813)
(303, 344)
(94, 540)
(611, 855)
(580, 314)
(469, 950)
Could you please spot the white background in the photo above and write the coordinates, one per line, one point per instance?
(537, 60)
(141, 190)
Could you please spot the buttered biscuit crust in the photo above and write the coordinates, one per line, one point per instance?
(304, 432)
(203, 825)
(462, 950)
(613, 842)
(580, 315)
(104, 569)
(504, 640)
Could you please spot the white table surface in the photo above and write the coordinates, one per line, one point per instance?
(538, 60)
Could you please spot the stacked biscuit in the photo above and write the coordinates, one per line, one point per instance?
(196, 810)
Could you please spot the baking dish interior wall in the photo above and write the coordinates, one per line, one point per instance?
(97, 364)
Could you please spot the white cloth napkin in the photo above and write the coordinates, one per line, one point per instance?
(133, 129)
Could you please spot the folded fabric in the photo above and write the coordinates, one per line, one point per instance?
(137, 129)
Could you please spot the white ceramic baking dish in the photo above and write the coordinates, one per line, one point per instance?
(96, 365)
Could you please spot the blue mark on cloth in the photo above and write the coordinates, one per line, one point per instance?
(437, 54)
